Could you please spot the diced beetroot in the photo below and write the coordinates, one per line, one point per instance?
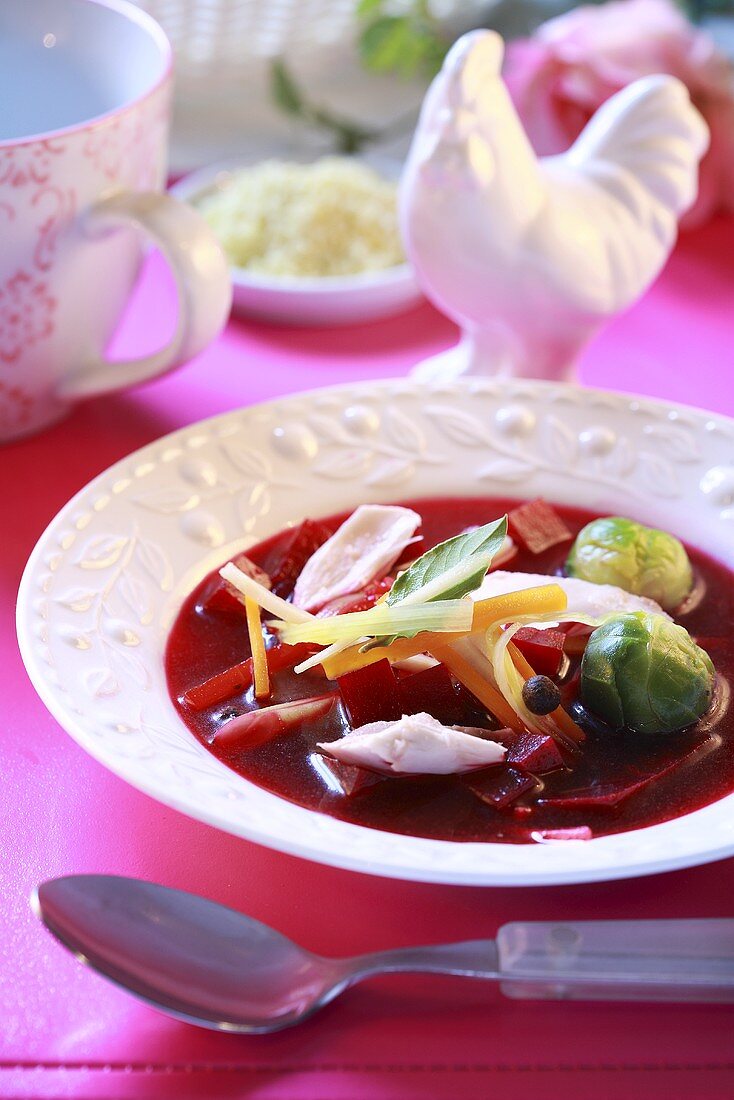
(570, 691)
(577, 832)
(602, 797)
(577, 636)
(370, 694)
(357, 601)
(288, 656)
(499, 787)
(254, 728)
(342, 778)
(471, 709)
(537, 526)
(287, 568)
(610, 795)
(225, 597)
(239, 677)
(433, 691)
(542, 649)
(536, 753)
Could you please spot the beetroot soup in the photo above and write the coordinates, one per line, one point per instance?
(570, 767)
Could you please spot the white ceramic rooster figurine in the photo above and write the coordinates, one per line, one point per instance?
(530, 255)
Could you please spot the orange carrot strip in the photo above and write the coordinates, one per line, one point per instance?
(528, 601)
(261, 676)
(547, 597)
(488, 695)
(563, 720)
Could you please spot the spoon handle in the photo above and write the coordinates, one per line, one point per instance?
(651, 960)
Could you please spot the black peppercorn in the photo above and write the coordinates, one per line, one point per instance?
(540, 695)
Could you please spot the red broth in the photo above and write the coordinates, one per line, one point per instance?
(700, 759)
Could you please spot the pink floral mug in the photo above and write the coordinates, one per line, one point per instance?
(83, 141)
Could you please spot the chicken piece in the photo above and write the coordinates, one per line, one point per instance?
(583, 596)
(364, 547)
(530, 255)
(415, 745)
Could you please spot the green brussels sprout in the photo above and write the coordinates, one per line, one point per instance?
(645, 673)
(638, 559)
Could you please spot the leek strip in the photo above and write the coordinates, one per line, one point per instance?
(328, 654)
(262, 596)
(507, 607)
(444, 616)
(509, 681)
(260, 673)
(477, 685)
(545, 617)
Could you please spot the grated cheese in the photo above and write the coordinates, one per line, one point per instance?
(333, 217)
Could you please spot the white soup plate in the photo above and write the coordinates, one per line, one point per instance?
(108, 576)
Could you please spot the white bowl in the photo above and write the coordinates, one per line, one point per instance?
(109, 574)
(327, 300)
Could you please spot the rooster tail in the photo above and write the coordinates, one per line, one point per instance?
(649, 133)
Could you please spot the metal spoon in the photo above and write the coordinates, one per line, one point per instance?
(201, 962)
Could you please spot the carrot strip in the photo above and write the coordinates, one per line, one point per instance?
(488, 695)
(562, 719)
(220, 687)
(261, 675)
(547, 597)
(528, 601)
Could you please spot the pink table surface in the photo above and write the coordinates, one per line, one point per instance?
(65, 1032)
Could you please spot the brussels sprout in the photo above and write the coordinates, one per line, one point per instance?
(642, 560)
(646, 673)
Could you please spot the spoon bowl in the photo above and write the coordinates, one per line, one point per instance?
(193, 958)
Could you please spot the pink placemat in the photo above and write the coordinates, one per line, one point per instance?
(65, 1032)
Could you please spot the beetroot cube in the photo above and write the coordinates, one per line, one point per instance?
(500, 787)
(304, 542)
(224, 596)
(603, 797)
(370, 694)
(432, 691)
(542, 649)
(345, 779)
(537, 526)
(535, 752)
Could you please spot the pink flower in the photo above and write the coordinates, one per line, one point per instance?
(559, 78)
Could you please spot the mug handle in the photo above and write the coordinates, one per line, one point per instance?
(202, 280)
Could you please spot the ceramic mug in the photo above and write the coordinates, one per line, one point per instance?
(83, 142)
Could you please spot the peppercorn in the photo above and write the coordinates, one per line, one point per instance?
(540, 695)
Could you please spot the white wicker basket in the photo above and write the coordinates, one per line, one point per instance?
(214, 39)
(223, 52)
(224, 48)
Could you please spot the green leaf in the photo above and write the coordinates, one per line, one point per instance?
(369, 7)
(383, 43)
(462, 561)
(284, 89)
